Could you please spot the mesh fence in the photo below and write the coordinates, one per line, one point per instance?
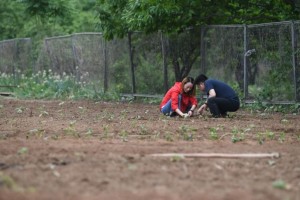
(15, 56)
(260, 60)
(270, 69)
(222, 50)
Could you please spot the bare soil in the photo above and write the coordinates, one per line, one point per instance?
(102, 150)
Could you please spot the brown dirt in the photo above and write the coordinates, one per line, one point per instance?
(101, 150)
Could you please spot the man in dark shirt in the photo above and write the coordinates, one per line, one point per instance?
(221, 98)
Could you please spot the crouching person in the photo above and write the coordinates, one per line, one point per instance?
(221, 98)
(180, 99)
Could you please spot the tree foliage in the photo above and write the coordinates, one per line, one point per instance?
(117, 17)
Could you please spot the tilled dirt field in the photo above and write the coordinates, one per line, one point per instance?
(103, 150)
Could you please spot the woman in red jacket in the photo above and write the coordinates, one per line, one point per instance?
(180, 99)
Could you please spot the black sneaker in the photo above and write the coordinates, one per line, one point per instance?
(173, 114)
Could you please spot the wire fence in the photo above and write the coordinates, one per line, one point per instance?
(259, 60)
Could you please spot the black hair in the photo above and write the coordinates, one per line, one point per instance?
(190, 79)
(200, 79)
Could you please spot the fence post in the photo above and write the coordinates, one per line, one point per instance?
(245, 62)
(105, 66)
(202, 50)
(294, 61)
(165, 67)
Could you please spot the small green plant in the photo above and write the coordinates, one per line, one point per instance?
(176, 158)
(23, 150)
(7, 181)
(187, 132)
(169, 137)
(213, 133)
(260, 137)
(71, 130)
(36, 132)
(281, 137)
(279, 184)
(20, 110)
(105, 130)
(43, 112)
(81, 109)
(143, 130)
(270, 135)
(89, 132)
(237, 135)
(124, 135)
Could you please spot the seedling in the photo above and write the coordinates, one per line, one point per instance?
(176, 158)
(124, 135)
(89, 132)
(43, 112)
(213, 133)
(7, 181)
(37, 132)
(237, 135)
(105, 130)
(20, 110)
(81, 109)
(169, 137)
(260, 137)
(71, 129)
(284, 121)
(281, 137)
(23, 150)
(279, 184)
(270, 135)
(143, 131)
(187, 132)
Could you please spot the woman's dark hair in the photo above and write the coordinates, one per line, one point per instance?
(200, 79)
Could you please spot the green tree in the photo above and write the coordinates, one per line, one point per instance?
(11, 20)
(117, 18)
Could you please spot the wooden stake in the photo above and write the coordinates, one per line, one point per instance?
(218, 155)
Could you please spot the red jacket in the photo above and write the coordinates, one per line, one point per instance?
(173, 94)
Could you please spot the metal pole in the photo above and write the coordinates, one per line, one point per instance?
(105, 65)
(245, 63)
(294, 58)
(202, 50)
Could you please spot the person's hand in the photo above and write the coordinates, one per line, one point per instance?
(190, 113)
(202, 109)
(185, 115)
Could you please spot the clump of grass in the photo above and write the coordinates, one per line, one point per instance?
(36, 132)
(237, 135)
(169, 137)
(50, 85)
(22, 151)
(7, 181)
(187, 132)
(213, 132)
(71, 130)
(124, 135)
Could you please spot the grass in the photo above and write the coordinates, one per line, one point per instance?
(48, 85)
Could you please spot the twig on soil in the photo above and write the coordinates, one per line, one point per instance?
(218, 155)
